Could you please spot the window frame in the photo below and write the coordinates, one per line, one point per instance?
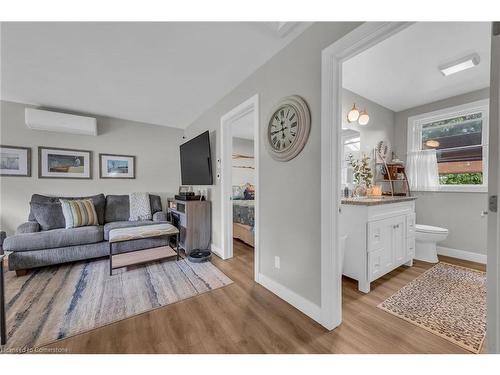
(414, 138)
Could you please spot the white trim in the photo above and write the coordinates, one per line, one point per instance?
(493, 266)
(413, 137)
(300, 303)
(360, 39)
(216, 250)
(462, 254)
(249, 106)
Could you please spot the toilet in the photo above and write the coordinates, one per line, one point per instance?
(426, 238)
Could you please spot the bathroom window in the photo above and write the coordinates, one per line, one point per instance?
(448, 149)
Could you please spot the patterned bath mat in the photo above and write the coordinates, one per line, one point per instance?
(57, 302)
(447, 300)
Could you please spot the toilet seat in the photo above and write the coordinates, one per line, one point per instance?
(430, 229)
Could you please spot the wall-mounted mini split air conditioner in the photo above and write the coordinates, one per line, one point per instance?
(38, 119)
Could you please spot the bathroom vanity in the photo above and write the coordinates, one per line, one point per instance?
(379, 236)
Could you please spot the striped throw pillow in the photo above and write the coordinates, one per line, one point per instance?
(79, 212)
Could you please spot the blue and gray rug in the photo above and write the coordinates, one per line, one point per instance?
(56, 302)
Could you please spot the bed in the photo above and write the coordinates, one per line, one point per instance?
(244, 221)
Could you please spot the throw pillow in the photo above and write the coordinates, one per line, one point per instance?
(48, 215)
(79, 213)
(140, 207)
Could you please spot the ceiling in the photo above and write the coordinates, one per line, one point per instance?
(166, 73)
(402, 71)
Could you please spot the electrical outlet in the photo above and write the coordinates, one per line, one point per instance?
(277, 262)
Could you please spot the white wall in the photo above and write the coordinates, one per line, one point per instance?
(380, 127)
(157, 161)
(459, 212)
(290, 191)
(241, 176)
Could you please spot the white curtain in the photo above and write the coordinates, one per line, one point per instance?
(422, 170)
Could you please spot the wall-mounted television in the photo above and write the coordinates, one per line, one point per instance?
(196, 161)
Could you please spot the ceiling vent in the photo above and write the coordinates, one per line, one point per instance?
(37, 119)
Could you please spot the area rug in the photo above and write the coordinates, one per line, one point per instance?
(57, 302)
(447, 300)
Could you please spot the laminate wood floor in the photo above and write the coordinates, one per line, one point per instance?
(244, 317)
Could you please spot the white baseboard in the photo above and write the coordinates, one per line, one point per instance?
(304, 305)
(216, 250)
(461, 254)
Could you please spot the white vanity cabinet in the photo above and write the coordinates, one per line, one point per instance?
(380, 236)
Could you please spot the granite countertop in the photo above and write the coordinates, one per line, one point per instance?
(373, 201)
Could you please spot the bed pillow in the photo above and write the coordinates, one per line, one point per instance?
(238, 192)
(249, 192)
(79, 213)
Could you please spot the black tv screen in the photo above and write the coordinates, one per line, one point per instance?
(196, 163)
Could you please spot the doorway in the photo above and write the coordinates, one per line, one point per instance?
(333, 113)
(239, 162)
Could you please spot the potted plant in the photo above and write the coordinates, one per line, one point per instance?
(362, 174)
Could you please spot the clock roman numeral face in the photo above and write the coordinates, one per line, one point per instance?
(283, 128)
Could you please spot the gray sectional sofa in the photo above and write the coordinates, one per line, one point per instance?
(35, 245)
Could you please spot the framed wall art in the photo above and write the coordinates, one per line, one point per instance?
(116, 166)
(64, 163)
(15, 161)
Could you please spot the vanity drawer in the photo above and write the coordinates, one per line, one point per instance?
(411, 225)
(376, 235)
(379, 263)
(375, 265)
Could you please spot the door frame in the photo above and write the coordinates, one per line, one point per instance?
(332, 57)
(493, 258)
(250, 105)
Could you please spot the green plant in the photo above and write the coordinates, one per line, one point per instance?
(461, 179)
(362, 172)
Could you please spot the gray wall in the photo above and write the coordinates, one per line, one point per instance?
(291, 231)
(380, 127)
(241, 176)
(157, 161)
(459, 212)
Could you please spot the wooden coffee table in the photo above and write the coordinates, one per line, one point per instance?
(144, 255)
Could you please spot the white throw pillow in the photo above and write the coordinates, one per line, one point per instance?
(140, 208)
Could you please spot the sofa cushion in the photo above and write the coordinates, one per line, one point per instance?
(99, 203)
(54, 238)
(155, 203)
(48, 215)
(28, 227)
(124, 224)
(117, 208)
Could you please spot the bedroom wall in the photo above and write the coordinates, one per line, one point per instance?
(380, 127)
(460, 213)
(157, 161)
(241, 176)
(290, 231)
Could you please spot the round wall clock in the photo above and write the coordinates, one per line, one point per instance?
(288, 128)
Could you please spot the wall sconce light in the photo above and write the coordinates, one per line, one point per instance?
(353, 114)
(361, 117)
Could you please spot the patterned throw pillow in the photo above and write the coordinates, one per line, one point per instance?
(79, 213)
(140, 207)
